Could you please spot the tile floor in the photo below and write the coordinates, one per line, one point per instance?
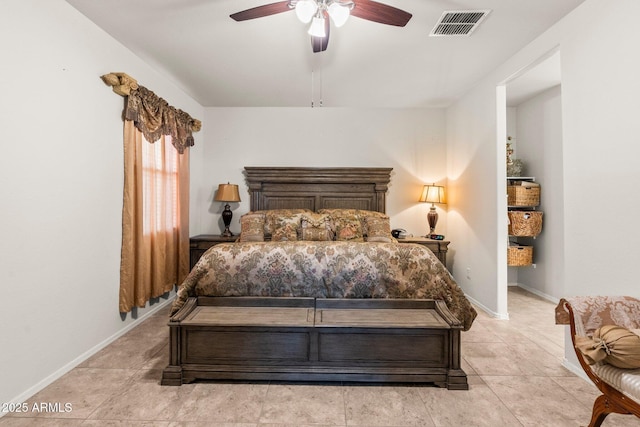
(514, 369)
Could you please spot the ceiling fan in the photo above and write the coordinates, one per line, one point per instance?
(318, 13)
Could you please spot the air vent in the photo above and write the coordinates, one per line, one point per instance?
(458, 23)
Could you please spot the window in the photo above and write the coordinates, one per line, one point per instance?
(159, 186)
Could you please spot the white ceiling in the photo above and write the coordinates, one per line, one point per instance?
(535, 80)
(268, 62)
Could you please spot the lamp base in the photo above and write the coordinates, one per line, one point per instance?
(226, 218)
(432, 219)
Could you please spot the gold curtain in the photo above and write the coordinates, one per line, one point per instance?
(155, 249)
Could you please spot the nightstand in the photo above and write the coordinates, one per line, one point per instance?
(200, 243)
(438, 247)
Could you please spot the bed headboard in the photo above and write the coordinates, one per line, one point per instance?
(317, 188)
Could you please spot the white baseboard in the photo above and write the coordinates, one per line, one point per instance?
(536, 292)
(22, 397)
(487, 310)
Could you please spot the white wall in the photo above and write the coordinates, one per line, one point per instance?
(61, 189)
(601, 117)
(600, 127)
(411, 141)
(539, 132)
(475, 210)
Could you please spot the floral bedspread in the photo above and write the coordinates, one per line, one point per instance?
(325, 270)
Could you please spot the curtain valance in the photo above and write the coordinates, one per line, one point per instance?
(152, 115)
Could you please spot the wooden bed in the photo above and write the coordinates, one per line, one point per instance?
(315, 339)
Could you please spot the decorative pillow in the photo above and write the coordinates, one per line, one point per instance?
(361, 214)
(378, 229)
(612, 344)
(273, 218)
(286, 228)
(316, 227)
(285, 233)
(348, 228)
(252, 227)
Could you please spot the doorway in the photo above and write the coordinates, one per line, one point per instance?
(532, 118)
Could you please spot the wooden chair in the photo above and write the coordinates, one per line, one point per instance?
(586, 314)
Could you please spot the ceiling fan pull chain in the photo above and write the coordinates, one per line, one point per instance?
(321, 54)
(312, 87)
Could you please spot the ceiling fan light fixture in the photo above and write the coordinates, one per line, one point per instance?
(317, 26)
(305, 10)
(319, 15)
(339, 13)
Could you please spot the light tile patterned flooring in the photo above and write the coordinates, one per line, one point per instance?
(514, 369)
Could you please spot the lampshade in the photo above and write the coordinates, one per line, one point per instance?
(305, 9)
(432, 194)
(315, 11)
(317, 26)
(227, 193)
(339, 13)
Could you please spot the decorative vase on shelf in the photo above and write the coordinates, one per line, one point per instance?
(514, 166)
(515, 169)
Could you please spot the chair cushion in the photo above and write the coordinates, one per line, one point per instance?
(611, 344)
(627, 381)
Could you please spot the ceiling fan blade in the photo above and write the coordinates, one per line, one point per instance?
(381, 13)
(319, 44)
(260, 11)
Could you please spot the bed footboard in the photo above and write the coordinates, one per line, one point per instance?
(307, 339)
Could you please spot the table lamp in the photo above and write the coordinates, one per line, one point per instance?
(227, 193)
(432, 194)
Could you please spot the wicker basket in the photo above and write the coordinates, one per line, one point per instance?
(525, 223)
(518, 195)
(518, 256)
